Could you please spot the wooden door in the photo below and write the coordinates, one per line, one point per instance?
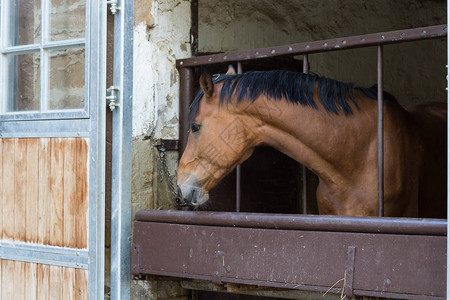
(52, 96)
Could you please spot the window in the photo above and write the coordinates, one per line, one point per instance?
(43, 59)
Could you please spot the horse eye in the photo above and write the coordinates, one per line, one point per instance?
(195, 127)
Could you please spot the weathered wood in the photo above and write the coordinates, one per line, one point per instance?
(55, 282)
(57, 193)
(43, 199)
(199, 285)
(68, 292)
(81, 284)
(82, 192)
(70, 194)
(1, 272)
(8, 189)
(19, 280)
(20, 191)
(31, 281)
(7, 279)
(43, 275)
(44, 203)
(32, 187)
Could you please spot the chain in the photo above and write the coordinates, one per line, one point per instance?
(164, 170)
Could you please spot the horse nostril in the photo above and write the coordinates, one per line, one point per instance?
(179, 198)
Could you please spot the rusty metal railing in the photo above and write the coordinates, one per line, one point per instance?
(186, 68)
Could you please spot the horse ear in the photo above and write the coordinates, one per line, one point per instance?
(206, 84)
(231, 70)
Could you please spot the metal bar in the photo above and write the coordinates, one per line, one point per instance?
(47, 128)
(298, 222)
(66, 44)
(448, 159)
(304, 178)
(186, 98)
(57, 256)
(238, 168)
(96, 83)
(121, 153)
(350, 42)
(380, 132)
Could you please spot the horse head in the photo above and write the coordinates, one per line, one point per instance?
(220, 137)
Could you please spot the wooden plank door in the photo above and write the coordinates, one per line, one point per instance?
(52, 145)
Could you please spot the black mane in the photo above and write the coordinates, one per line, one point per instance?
(297, 88)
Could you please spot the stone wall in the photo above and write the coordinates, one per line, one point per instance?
(161, 35)
(414, 72)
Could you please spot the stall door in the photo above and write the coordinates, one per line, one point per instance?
(52, 108)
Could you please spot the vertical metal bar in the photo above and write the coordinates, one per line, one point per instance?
(238, 168)
(304, 179)
(448, 157)
(186, 98)
(380, 132)
(121, 153)
(96, 49)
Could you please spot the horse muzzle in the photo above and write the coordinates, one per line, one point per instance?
(190, 196)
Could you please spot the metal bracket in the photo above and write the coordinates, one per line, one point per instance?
(113, 99)
(349, 271)
(169, 145)
(114, 6)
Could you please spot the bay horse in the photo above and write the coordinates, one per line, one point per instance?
(326, 125)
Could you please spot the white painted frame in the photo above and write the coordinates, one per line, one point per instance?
(42, 48)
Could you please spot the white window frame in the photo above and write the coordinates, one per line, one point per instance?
(43, 49)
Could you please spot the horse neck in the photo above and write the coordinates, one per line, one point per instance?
(320, 140)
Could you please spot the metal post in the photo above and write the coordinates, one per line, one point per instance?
(304, 179)
(380, 133)
(238, 168)
(448, 159)
(121, 153)
(186, 98)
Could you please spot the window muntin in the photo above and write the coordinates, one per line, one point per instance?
(43, 63)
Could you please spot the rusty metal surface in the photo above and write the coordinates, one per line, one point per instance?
(386, 225)
(388, 265)
(186, 97)
(380, 129)
(304, 176)
(350, 42)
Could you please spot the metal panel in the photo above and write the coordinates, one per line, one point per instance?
(121, 153)
(295, 259)
(66, 257)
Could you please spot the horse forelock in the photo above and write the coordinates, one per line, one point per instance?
(297, 88)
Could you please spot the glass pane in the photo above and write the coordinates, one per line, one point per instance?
(67, 19)
(66, 86)
(22, 82)
(24, 22)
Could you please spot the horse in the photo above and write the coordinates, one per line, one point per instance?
(326, 125)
